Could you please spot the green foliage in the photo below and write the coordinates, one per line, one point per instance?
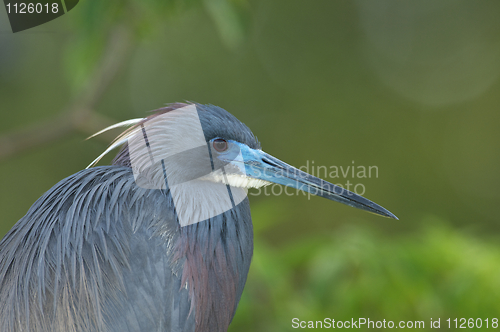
(94, 21)
(438, 273)
(228, 20)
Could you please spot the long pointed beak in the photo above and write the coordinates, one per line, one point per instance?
(261, 165)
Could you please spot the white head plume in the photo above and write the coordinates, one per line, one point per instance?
(120, 140)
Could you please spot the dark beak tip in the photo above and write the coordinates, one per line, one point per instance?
(390, 215)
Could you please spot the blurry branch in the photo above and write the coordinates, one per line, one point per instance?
(230, 25)
(79, 115)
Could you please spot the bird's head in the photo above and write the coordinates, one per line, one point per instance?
(208, 159)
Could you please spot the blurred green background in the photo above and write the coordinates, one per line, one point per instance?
(411, 87)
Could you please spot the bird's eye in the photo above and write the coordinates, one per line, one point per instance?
(220, 145)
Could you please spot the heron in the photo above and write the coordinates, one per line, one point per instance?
(160, 240)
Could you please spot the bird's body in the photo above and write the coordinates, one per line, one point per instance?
(143, 257)
(101, 252)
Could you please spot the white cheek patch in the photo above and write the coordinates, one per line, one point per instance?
(235, 180)
(170, 150)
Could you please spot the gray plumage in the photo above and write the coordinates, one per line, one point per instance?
(98, 253)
